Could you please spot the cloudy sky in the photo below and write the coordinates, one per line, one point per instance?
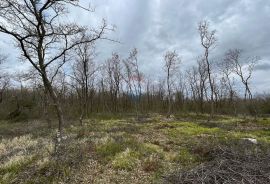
(155, 26)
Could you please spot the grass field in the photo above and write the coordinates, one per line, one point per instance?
(120, 149)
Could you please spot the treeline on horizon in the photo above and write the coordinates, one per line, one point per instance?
(119, 86)
(26, 103)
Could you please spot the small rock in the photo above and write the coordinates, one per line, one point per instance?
(254, 141)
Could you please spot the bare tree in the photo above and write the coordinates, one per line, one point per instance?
(171, 66)
(196, 78)
(226, 67)
(83, 73)
(4, 83)
(134, 77)
(44, 37)
(243, 70)
(208, 41)
(219, 91)
(4, 78)
(180, 91)
(114, 78)
(192, 80)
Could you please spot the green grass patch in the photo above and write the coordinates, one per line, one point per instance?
(107, 148)
(125, 160)
(264, 121)
(147, 149)
(190, 129)
(185, 157)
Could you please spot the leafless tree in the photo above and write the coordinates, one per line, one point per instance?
(192, 79)
(243, 70)
(114, 78)
(180, 91)
(4, 78)
(4, 82)
(219, 90)
(208, 41)
(44, 37)
(196, 79)
(134, 77)
(83, 73)
(149, 95)
(226, 67)
(171, 66)
(160, 89)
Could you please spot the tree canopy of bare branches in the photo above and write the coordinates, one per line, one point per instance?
(242, 69)
(171, 67)
(44, 37)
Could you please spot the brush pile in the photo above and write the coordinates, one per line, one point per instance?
(242, 163)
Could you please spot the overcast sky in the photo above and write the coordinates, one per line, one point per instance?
(155, 26)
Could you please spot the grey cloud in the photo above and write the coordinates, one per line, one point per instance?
(155, 26)
(263, 67)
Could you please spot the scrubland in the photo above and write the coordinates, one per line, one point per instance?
(126, 149)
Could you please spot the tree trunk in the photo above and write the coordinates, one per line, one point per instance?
(57, 105)
(45, 110)
(169, 93)
(1, 97)
(210, 82)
